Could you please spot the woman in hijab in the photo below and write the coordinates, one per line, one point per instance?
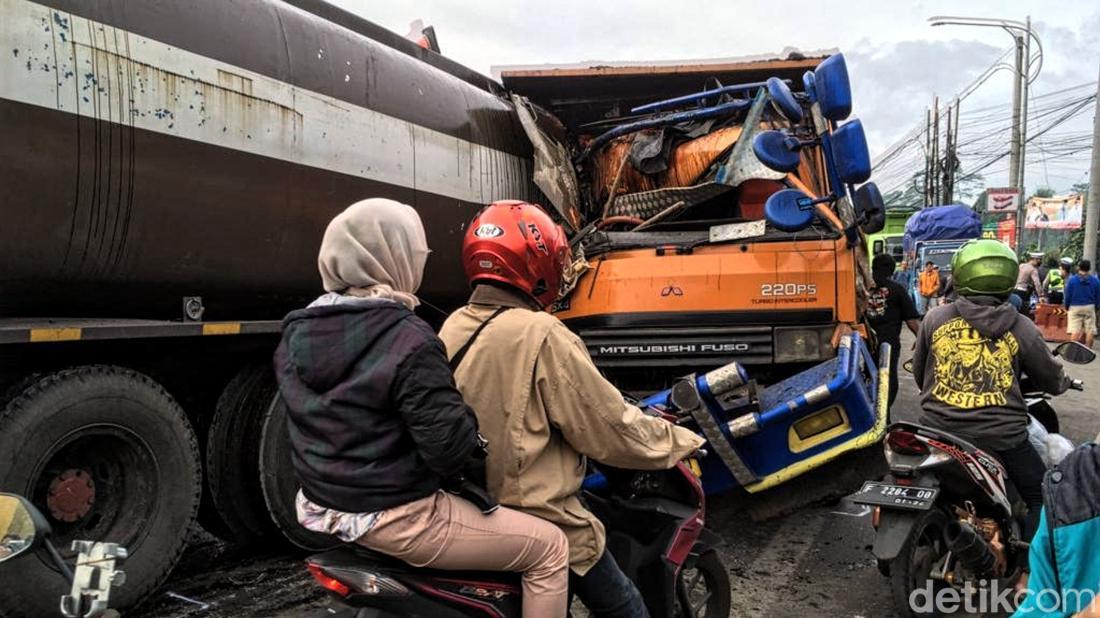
(376, 423)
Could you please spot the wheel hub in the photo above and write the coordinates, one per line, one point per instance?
(71, 495)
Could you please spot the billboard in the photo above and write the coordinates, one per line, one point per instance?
(1061, 212)
(1002, 200)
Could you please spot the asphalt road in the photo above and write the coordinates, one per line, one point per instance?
(812, 562)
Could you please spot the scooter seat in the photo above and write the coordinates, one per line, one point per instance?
(359, 557)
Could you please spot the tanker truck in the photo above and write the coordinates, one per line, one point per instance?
(166, 172)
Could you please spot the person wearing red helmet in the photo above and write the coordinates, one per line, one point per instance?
(540, 400)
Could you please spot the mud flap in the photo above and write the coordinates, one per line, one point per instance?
(894, 529)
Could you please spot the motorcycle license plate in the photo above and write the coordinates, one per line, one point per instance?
(896, 496)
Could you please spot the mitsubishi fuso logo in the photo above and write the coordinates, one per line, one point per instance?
(672, 290)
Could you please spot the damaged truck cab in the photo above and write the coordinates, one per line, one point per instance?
(721, 228)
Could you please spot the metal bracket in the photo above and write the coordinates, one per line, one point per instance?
(93, 578)
(193, 308)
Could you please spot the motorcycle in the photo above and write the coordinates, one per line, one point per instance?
(947, 513)
(25, 532)
(655, 531)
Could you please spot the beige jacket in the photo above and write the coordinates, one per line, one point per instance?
(543, 406)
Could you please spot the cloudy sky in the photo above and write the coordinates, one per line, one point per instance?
(896, 60)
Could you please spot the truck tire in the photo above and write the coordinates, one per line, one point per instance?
(107, 455)
(233, 453)
(280, 486)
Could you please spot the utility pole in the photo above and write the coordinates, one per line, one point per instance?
(1014, 162)
(936, 151)
(928, 170)
(946, 190)
(1025, 76)
(1092, 205)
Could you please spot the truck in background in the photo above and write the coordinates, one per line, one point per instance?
(891, 239)
(933, 235)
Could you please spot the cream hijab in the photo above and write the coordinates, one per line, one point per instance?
(376, 248)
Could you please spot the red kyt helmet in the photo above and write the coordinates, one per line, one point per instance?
(519, 244)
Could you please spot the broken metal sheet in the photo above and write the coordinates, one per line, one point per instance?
(738, 231)
(553, 173)
(742, 163)
(649, 203)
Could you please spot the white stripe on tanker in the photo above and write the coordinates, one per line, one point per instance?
(56, 60)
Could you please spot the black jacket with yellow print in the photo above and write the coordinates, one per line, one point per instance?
(968, 361)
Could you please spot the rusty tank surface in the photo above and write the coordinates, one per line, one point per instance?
(159, 150)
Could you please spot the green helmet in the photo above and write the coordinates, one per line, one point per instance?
(984, 268)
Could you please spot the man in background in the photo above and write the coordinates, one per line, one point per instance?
(928, 286)
(1028, 282)
(888, 307)
(1081, 299)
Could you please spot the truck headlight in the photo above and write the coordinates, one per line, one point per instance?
(796, 345)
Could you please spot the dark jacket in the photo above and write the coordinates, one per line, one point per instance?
(967, 363)
(1063, 551)
(374, 416)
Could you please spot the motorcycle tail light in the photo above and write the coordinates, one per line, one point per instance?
(327, 581)
(363, 581)
(906, 443)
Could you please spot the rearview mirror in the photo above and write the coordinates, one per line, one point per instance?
(789, 210)
(1075, 353)
(808, 86)
(870, 209)
(783, 100)
(850, 154)
(777, 151)
(21, 526)
(834, 91)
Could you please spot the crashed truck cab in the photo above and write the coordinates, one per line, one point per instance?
(717, 209)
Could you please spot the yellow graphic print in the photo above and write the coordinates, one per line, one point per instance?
(971, 370)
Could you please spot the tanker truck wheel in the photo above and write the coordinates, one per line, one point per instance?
(233, 453)
(280, 486)
(107, 455)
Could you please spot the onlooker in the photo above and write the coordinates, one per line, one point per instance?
(902, 275)
(1055, 281)
(928, 286)
(1044, 270)
(1082, 299)
(1028, 282)
(888, 307)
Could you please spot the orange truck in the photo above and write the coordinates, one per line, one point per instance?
(721, 227)
(716, 284)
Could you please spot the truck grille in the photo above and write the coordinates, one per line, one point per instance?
(663, 347)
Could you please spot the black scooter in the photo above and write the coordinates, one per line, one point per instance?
(655, 531)
(947, 515)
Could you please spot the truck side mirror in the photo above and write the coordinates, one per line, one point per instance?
(870, 210)
(850, 153)
(834, 91)
(789, 210)
(809, 87)
(783, 100)
(777, 151)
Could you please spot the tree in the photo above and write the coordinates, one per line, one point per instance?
(911, 195)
